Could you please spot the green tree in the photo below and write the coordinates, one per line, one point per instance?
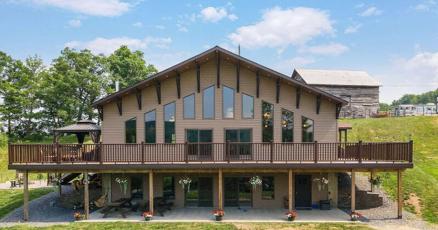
(128, 67)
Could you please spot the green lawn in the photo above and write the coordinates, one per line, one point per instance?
(422, 180)
(195, 226)
(11, 199)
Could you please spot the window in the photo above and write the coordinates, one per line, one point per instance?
(247, 106)
(169, 187)
(131, 130)
(307, 127)
(267, 122)
(199, 143)
(169, 123)
(208, 103)
(227, 102)
(189, 107)
(287, 126)
(268, 190)
(150, 127)
(240, 141)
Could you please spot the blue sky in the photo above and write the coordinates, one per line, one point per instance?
(395, 41)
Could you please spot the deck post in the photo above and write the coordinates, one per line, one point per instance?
(399, 194)
(59, 184)
(291, 190)
(86, 197)
(151, 192)
(353, 191)
(315, 151)
(371, 179)
(26, 195)
(220, 190)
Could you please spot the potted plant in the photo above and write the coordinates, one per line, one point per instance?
(375, 182)
(291, 215)
(147, 216)
(255, 181)
(218, 214)
(185, 182)
(355, 216)
(78, 216)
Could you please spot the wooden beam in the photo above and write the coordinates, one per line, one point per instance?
(372, 176)
(277, 95)
(298, 97)
(119, 106)
(291, 190)
(318, 104)
(100, 111)
(60, 184)
(399, 194)
(86, 197)
(353, 191)
(218, 70)
(138, 96)
(338, 110)
(198, 77)
(158, 90)
(151, 192)
(257, 84)
(178, 85)
(220, 190)
(238, 76)
(26, 196)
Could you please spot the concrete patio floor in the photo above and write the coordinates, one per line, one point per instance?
(231, 215)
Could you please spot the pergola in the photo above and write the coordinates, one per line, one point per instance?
(343, 128)
(81, 128)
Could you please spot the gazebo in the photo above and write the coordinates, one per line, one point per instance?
(81, 128)
(343, 128)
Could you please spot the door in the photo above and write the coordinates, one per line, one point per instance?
(303, 191)
(240, 147)
(200, 147)
(205, 192)
(237, 192)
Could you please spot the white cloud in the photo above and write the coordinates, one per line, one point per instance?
(107, 8)
(282, 27)
(332, 49)
(137, 24)
(182, 28)
(108, 45)
(215, 14)
(160, 27)
(298, 62)
(75, 23)
(352, 29)
(371, 11)
(425, 6)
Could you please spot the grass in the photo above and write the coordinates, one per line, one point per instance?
(195, 226)
(422, 180)
(11, 199)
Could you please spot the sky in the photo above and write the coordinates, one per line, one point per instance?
(394, 41)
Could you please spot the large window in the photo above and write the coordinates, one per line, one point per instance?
(307, 127)
(131, 130)
(267, 122)
(199, 143)
(287, 126)
(150, 127)
(247, 106)
(169, 187)
(169, 123)
(268, 191)
(227, 102)
(208, 103)
(189, 107)
(239, 142)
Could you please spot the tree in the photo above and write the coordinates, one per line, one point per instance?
(128, 67)
(424, 98)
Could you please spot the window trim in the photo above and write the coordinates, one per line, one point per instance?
(194, 106)
(214, 102)
(313, 130)
(132, 118)
(273, 188)
(234, 103)
(164, 122)
(144, 123)
(273, 120)
(253, 105)
(293, 125)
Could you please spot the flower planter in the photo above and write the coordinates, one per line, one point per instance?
(290, 218)
(218, 218)
(147, 218)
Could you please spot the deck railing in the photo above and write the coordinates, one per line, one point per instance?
(314, 152)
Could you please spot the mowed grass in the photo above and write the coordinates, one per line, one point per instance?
(422, 180)
(10, 199)
(196, 226)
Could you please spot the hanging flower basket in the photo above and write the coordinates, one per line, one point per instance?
(123, 183)
(322, 182)
(291, 215)
(376, 182)
(255, 181)
(185, 182)
(218, 214)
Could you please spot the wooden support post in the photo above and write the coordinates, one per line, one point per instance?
(399, 194)
(220, 190)
(371, 179)
(353, 191)
(315, 151)
(151, 192)
(178, 85)
(291, 190)
(60, 184)
(86, 197)
(139, 97)
(26, 196)
(272, 151)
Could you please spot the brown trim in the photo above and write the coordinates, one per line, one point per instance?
(238, 76)
(198, 77)
(257, 84)
(178, 85)
(338, 110)
(138, 95)
(119, 106)
(218, 69)
(277, 91)
(318, 104)
(298, 97)
(158, 91)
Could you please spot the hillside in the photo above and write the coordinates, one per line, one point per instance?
(422, 180)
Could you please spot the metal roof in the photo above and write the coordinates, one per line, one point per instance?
(336, 77)
(80, 126)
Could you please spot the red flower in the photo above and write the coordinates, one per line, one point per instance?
(218, 212)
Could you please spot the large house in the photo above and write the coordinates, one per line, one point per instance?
(358, 88)
(220, 121)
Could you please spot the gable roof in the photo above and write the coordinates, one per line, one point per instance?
(335, 77)
(204, 57)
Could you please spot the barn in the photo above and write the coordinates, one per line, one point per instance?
(357, 87)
